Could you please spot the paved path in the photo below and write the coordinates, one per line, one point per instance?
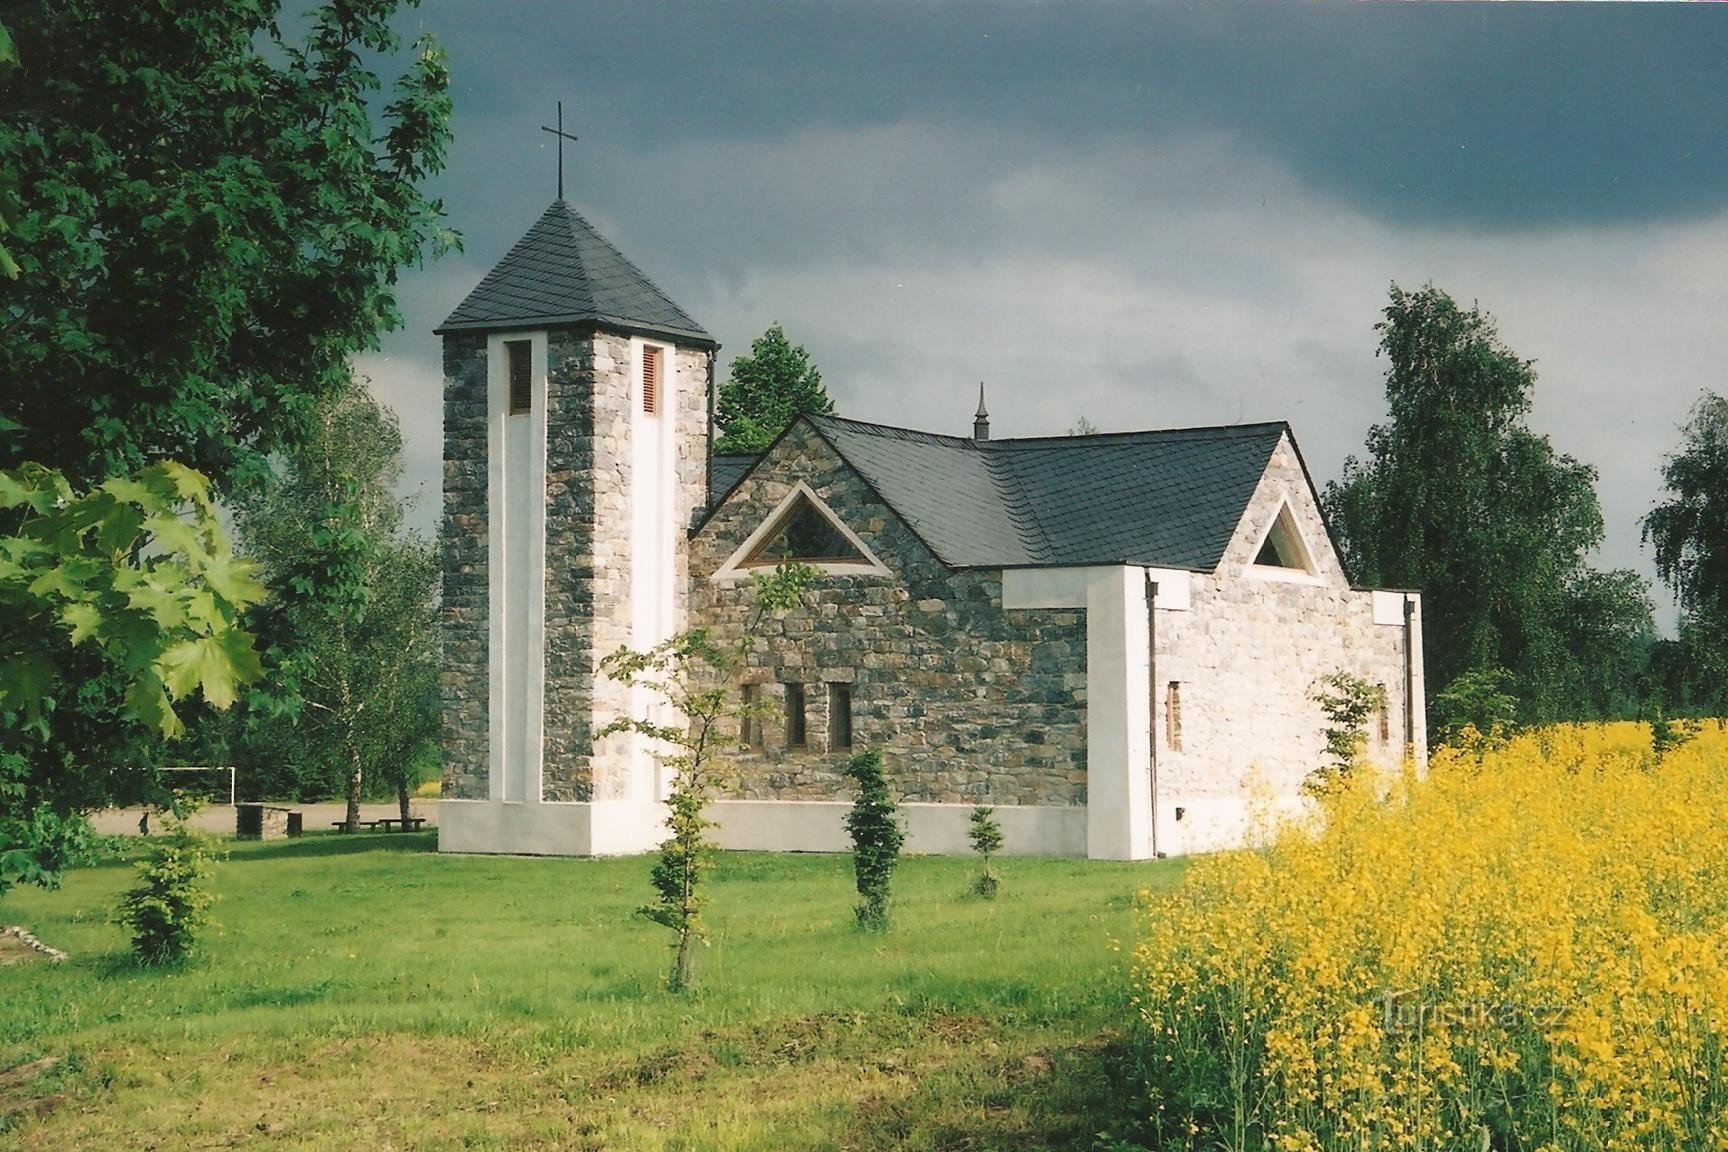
(218, 819)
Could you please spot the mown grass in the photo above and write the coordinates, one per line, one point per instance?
(367, 992)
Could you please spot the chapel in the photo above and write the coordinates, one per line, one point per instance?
(1112, 639)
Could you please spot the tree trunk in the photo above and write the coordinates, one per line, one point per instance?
(402, 798)
(353, 755)
(350, 750)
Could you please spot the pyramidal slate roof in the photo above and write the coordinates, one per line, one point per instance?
(1166, 499)
(564, 272)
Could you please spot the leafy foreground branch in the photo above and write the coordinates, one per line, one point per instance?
(692, 674)
(124, 600)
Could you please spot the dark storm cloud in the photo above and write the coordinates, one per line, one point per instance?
(1146, 215)
(1504, 116)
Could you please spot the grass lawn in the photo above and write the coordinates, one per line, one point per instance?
(365, 992)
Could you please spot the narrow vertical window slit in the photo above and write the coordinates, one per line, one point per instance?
(749, 722)
(794, 715)
(520, 357)
(1173, 716)
(839, 717)
(651, 380)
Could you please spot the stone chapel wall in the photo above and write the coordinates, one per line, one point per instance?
(1247, 657)
(969, 704)
(587, 590)
(463, 676)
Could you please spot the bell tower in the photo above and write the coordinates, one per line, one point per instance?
(576, 411)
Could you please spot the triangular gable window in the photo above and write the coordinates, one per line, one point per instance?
(1284, 546)
(802, 529)
(803, 534)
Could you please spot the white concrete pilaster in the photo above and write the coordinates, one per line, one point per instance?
(1118, 737)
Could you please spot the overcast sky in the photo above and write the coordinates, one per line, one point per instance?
(1146, 215)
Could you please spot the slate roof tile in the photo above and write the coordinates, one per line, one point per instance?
(564, 272)
(724, 472)
(1169, 498)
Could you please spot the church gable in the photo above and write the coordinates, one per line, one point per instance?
(802, 496)
(1282, 535)
(802, 529)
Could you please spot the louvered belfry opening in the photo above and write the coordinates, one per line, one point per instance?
(650, 380)
(520, 354)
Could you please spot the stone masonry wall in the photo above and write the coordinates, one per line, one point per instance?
(968, 703)
(463, 674)
(609, 378)
(587, 595)
(1248, 656)
(574, 582)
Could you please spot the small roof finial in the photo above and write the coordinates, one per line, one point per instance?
(981, 420)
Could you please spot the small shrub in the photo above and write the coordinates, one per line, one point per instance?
(876, 838)
(1667, 735)
(986, 836)
(170, 907)
(689, 672)
(1348, 702)
(1476, 712)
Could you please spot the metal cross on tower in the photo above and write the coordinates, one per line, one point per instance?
(562, 136)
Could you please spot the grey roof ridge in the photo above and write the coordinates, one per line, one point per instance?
(1198, 431)
(1052, 441)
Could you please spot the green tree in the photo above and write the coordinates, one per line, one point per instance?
(1690, 672)
(693, 675)
(770, 387)
(1458, 498)
(1667, 734)
(353, 615)
(1608, 625)
(876, 838)
(8, 183)
(202, 223)
(170, 906)
(209, 220)
(1689, 531)
(986, 836)
(1476, 711)
(117, 606)
(1348, 703)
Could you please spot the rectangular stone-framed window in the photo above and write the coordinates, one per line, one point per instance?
(839, 717)
(519, 355)
(750, 724)
(1383, 719)
(1173, 716)
(651, 380)
(795, 737)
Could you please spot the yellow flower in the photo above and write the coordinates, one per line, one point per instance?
(1541, 937)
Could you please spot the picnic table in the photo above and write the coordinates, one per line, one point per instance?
(387, 824)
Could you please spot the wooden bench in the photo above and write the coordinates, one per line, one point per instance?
(387, 823)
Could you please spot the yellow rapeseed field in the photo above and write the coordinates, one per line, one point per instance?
(1526, 951)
